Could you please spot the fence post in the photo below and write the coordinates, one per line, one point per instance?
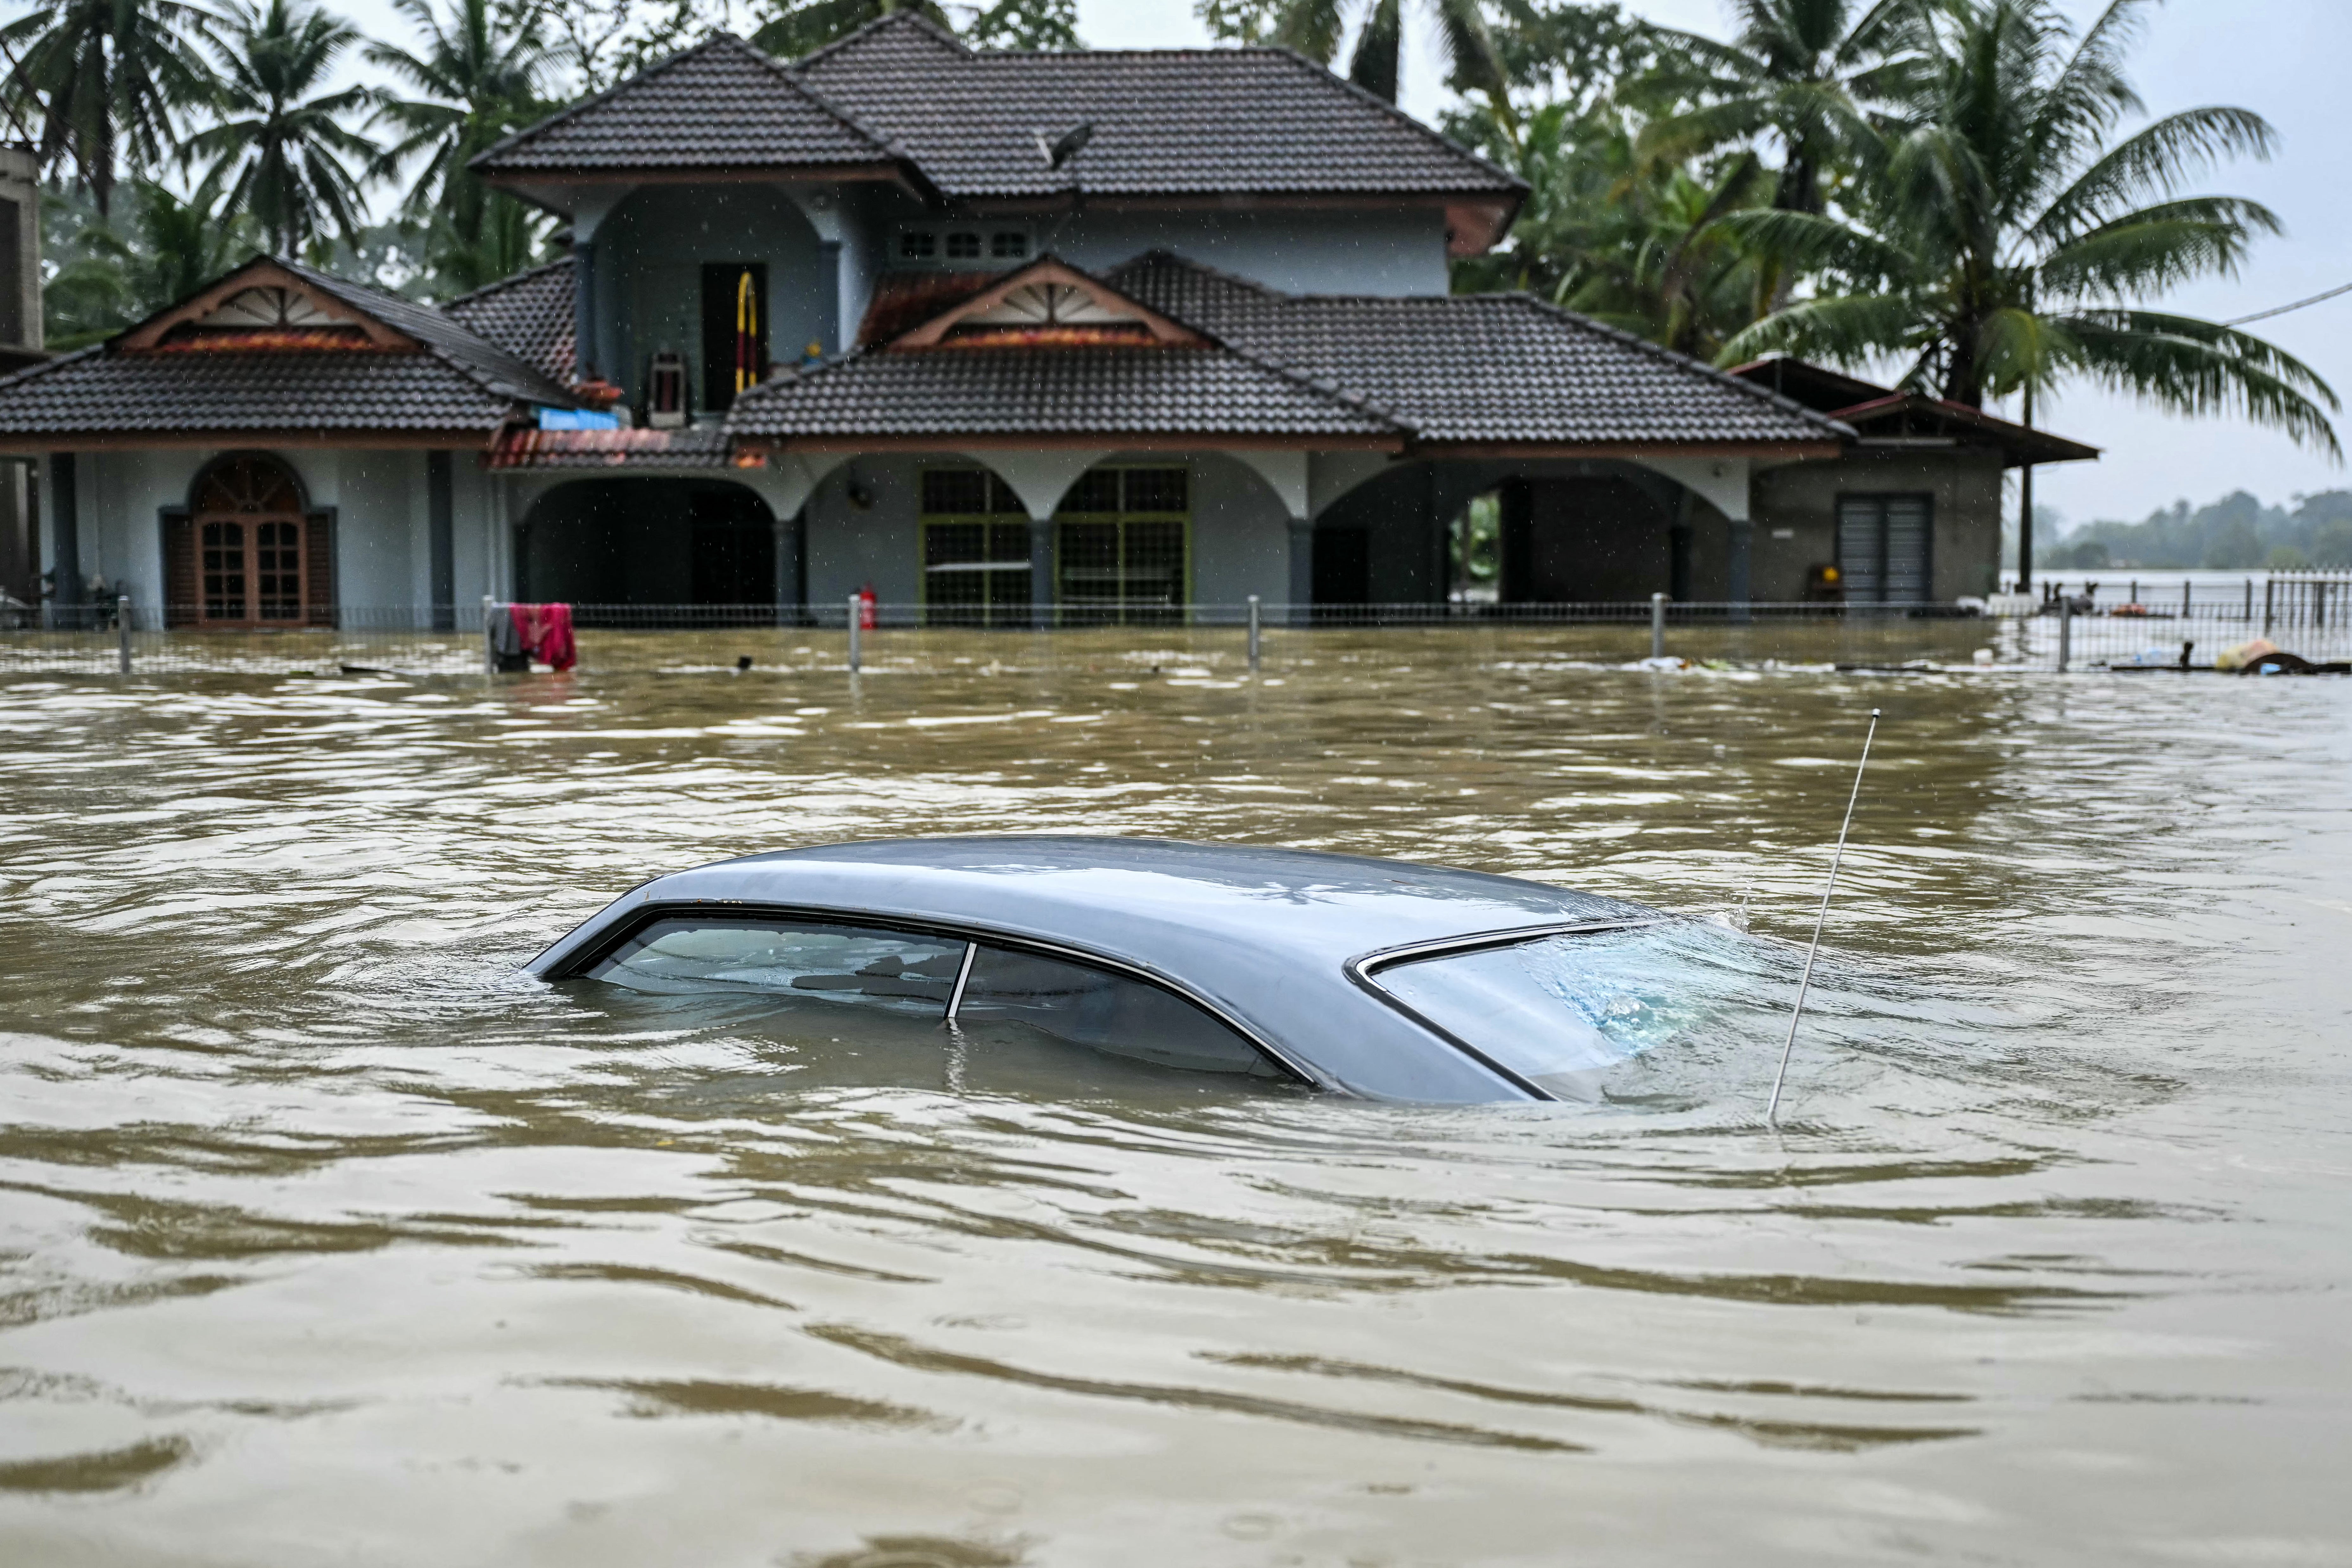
(857, 603)
(2066, 632)
(1254, 634)
(2250, 601)
(489, 638)
(1657, 625)
(122, 632)
(2185, 586)
(2270, 602)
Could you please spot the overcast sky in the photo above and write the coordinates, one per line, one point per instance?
(2285, 59)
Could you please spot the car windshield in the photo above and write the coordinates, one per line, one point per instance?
(1560, 1010)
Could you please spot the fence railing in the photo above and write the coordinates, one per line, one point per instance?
(2310, 617)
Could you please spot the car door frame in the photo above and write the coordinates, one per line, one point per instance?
(608, 941)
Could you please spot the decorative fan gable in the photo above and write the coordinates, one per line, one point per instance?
(262, 306)
(1048, 303)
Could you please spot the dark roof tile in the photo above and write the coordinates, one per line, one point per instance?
(529, 315)
(1166, 122)
(1479, 368)
(1106, 392)
(721, 104)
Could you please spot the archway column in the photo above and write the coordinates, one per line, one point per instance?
(1040, 477)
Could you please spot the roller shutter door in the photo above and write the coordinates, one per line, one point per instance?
(1884, 548)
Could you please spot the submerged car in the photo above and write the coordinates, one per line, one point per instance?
(1374, 978)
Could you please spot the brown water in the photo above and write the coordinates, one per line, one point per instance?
(325, 1239)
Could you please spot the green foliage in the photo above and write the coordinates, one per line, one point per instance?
(106, 273)
(2234, 533)
(795, 27)
(281, 150)
(1315, 28)
(105, 83)
(1999, 239)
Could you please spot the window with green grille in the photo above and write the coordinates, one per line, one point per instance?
(1122, 546)
(975, 549)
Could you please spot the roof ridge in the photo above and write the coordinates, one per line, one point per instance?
(1399, 115)
(510, 280)
(721, 39)
(516, 391)
(1166, 253)
(888, 19)
(514, 137)
(1671, 356)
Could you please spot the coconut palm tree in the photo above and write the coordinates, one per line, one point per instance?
(2002, 242)
(106, 278)
(99, 82)
(1804, 73)
(478, 75)
(1316, 27)
(282, 151)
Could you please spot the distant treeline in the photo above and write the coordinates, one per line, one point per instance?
(2235, 532)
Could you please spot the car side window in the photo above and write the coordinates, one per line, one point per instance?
(897, 969)
(1108, 1012)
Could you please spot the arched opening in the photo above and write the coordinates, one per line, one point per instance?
(1121, 542)
(647, 541)
(247, 549)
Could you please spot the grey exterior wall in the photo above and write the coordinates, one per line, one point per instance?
(1795, 509)
(382, 546)
(1389, 251)
(1239, 542)
(649, 258)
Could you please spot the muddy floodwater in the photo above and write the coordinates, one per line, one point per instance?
(325, 1239)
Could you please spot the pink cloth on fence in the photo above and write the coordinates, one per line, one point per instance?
(545, 632)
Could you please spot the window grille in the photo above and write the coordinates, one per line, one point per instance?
(1122, 550)
(975, 544)
(917, 245)
(1008, 245)
(964, 245)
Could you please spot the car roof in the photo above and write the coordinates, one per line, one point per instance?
(1261, 932)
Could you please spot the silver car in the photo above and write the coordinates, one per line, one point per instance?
(1374, 978)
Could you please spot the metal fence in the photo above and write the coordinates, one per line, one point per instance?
(2312, 617)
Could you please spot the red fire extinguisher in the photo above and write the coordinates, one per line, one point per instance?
(865, 606)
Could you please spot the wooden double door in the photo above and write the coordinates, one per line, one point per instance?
(248, 552)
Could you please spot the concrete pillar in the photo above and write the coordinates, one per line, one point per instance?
(1302, 570)
(65, 538)
(583, 309)
(1739, 557)
(441, 537)
(791, 581)
(1040, 572)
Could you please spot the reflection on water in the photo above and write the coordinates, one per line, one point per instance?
(324, 1236)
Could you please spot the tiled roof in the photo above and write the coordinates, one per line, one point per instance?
(529, 315)
(95, 393)
(1480, 368)
(686, 449)
(458, 381)
(498, 370)
(1166, 122)
(1106, 392)
(721, 104)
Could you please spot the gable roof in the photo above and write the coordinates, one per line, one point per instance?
(723, 104)
(403, 372)
(1166, 122)
(1483, 369)
(1883, 414)
(529, 315)
(1047, 297)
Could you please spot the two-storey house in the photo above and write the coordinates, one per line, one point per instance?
(1091, 335)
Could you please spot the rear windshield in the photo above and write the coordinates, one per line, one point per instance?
(1559, 1010)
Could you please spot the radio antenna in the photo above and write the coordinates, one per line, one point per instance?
(1772, 1111)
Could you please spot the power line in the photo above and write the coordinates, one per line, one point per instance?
(2283, 310)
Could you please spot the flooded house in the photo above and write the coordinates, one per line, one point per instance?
(1097, 333)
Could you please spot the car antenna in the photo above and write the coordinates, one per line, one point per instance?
(1772, 1111)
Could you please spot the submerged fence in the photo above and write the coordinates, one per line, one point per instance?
(2309, 617)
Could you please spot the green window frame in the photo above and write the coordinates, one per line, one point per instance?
(1123, 546)
(975, 549)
